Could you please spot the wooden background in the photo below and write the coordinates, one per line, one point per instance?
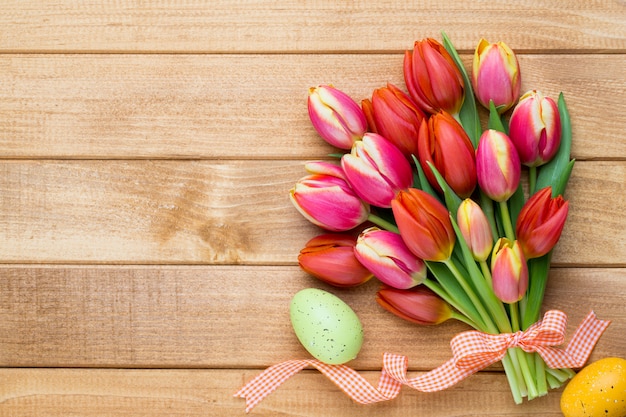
(147, 244)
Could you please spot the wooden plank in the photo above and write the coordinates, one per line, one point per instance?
(232, 317)
(234, 212)
(245, 106)
(252, 26)
(97, 392)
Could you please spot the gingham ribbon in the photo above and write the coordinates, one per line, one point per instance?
(472, 351)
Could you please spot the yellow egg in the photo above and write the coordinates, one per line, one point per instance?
(598, 390)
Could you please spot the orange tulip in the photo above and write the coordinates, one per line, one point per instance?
(424, 224)
(419, 305)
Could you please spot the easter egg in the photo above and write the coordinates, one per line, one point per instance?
(599, 389)
(326, 326)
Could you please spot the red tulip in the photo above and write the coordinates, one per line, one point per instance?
(419, 305)
(443, 142)
(432, 78)
(540, 223)
(396, 117)
(330, 258)
(424, 224)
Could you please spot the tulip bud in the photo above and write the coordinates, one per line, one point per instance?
(419, 305)
(387, 257)
(337, 118)
(496, 75)
(432, 78)
(424, 225)
(497, 165)
(509, 271)
(376, 170)
(475, 229)
(540, 223)
(443, 142)
(327, 200)
(535, 128)
(330, 258)
(397, 118)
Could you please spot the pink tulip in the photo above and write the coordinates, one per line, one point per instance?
(443, 143)
(496, 75)
(418, 305)
(327, 200)
(540, 223)
(432, 78)
(396, 117)
(509, 271)
(424, 225)
(387, 257)
(535, 128)
(497, 165)
(475, 229)
(376, 170)
(330, 258)
(337, 118)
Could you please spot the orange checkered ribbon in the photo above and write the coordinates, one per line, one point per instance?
(472, 351)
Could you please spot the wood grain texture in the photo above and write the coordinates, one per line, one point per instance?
(231, 317)
(266, 26)
(207, 106)
(90, 393)
(235, 212)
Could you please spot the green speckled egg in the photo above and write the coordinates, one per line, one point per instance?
(326, 326)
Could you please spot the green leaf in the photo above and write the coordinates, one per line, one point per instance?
(538, 269)
(556, 172)
(495, 121)
(516, 202)
(424, 185)
(468, 114)
(452, 200)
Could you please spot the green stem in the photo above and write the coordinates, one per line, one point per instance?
(540, 375)
(464, 319)
(379, 221)
(532, 179)
(512, 377)
(514, 309)
(526, 372)
(506, 221)
(486, 273)
(472, 295)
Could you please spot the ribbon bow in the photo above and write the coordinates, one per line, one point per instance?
(471, 350)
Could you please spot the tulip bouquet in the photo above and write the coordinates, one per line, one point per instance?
(426, 201)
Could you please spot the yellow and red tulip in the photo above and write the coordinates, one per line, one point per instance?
(376, 170)
(475, 229)
(393, 114)
(540, 223)
(335, 116)
(424, 224)
(330, 258)
(432, 78)
(385, 254)
(509, 271)
(443, 143)
(496, 75)
(327, 200)
(497, 165)
(535, 128)
(418, 305)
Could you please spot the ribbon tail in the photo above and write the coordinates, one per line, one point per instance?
(580, 346)
(268, 381)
